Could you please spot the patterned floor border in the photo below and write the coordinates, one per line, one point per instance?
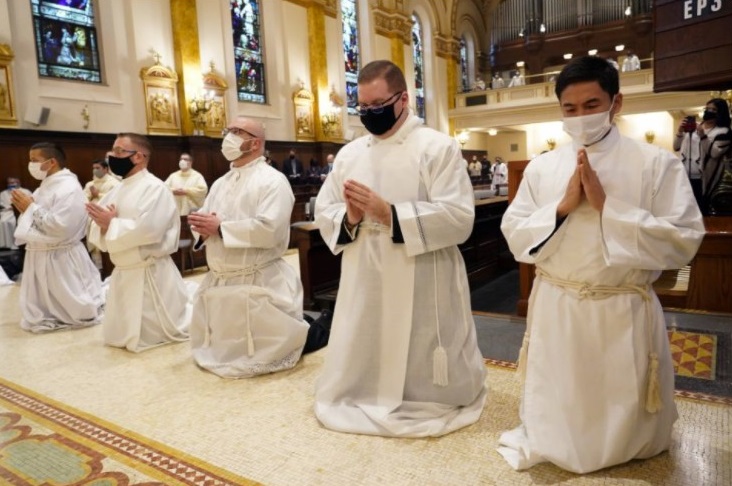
(152, 458)
(702, 397)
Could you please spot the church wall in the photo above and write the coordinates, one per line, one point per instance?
(500, 145)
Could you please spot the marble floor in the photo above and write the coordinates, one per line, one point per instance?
(262, 431)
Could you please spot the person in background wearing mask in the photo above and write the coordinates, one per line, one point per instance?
(138, 225)
(600, 218)
(95, 190)
(7, 216)
(60, 288)
(187, 185)
(703, 148)
(328, 166)
(292, 168)
(248, 315)
(404, 358)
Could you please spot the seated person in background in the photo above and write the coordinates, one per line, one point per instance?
(138, 224)
(101, 183)
(7, 216)
(314, 172)
(292, 168)
(247, 315)
(60, 288)
(328, 167)
(188, 186)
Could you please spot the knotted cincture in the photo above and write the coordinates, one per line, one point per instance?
(597, 292)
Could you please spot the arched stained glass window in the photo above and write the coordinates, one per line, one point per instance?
(67, 44)
(417, 55)
(246, 23)
(349, 13)
(464, 65)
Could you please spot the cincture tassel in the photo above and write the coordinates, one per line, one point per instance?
(439, 355)
(653, 392)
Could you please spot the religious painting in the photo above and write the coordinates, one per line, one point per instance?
(246, 23)
(67, 44)
(349, 14)
(161, 100)
(304, 121)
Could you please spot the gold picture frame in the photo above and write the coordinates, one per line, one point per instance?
(216, 87)
(8, 116)
(161, 100)
(304, 122)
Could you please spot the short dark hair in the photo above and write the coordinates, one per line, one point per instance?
(589, 68)
(51, 150)
(386, 70)
(101, 162)
(140, 140)
(723, 118)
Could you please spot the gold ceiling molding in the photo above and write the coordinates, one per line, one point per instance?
(330, 7)
(390, 23)
(447, 48)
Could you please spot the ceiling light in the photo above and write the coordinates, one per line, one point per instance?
(492, 132)
(628, 11)
(619, 47)
(542, 28)
(520, 64)
(568, 56)
(592, 52)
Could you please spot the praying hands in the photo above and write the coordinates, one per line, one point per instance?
(100, 215)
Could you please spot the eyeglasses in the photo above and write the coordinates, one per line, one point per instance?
(237, 131)
(122, 151)
(376, 109)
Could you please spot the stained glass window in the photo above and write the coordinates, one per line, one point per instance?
(246, 23)
(417, 54)
(67, 44)
(464, 65)
(349, 13)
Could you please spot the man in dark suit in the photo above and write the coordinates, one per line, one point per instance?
(292, 168)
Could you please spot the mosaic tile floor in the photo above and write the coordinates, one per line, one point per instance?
(263, 429)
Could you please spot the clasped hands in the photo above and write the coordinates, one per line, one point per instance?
(584, 184)
(101, 215)
(362, 201)
(20, 199)
(205, 224)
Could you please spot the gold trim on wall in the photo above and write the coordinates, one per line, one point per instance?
(7, 93)
(160, 92)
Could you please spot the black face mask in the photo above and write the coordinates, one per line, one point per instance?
(709, 115)
(380, 123)
(121, 166)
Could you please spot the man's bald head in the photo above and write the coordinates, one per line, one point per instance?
(252, 127)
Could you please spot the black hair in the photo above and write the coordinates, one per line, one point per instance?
(589, 68)
(101, 162)
(51, 150)
(723, 119)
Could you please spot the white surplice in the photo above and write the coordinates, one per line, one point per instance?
(398, 302)
(60, 287)
(147, 298)
(584, 397)
(247, 315)
(195, 186)
(103, 186)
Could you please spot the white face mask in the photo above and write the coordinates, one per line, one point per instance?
(35, 170)
(588, 129)
(183, 164)
(230, 147)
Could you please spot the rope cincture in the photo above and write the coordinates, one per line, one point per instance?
(439, 355)
(596, 292)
